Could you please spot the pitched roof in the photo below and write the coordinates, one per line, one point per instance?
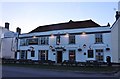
(68, 25)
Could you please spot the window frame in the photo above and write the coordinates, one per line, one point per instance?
(30, 39)
(23, 54)
(72, 39)
(98, 38)
(90, 54)
(72, 52)
(57, 39)
(44, 40)
(99, 55)
(41, 54)
(23, 40)
(32, 53)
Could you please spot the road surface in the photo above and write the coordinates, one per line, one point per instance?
(12, 71)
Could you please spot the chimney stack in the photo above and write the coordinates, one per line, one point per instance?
(18, 30)
(117, 15)
(7, 25)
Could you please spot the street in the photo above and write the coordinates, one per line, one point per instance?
(9, 71)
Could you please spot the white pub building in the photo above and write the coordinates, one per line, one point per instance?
(74, 40)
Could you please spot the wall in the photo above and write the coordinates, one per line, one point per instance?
(114, 40)
(119, 40)
(88, 39)
(7, 44)
(7, 48)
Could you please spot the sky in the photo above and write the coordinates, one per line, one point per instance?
(30, 15)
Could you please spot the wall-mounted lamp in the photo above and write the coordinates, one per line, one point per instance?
(52, 36)
(66, 35)
(31, 49)
(84, 45)
(64, 49)
(83, 33)
(34, 37)
(107, 48)
(79, 49)
(84, 53)
(51, 47)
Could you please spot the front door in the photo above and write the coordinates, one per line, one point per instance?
(59, 56)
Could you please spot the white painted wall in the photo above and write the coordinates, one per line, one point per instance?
(119, 40)
(88, 39)
(119, 6)
(114, 40)
(7, 45)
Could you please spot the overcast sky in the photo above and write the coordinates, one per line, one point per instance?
(29, 15)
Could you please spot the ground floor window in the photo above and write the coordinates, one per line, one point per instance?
(99, 55)
(90, 54)
(33, 53)
(43, 55)
(71, 55)
(23, 54)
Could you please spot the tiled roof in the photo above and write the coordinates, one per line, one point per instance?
(68, 25)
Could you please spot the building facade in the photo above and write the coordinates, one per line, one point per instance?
(115, 34)
(7, 42)
(74, 40)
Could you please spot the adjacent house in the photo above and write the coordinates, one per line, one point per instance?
(8, 42)
(115, 39)
(74, 40)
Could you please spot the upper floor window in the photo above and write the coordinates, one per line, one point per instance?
(98, 38)
(44, 40)
(22, 42)
(33, 41)
(71, 39)
(58, 39)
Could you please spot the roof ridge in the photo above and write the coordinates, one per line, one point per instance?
(66, 25)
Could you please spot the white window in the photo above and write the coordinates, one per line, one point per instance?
(98, 38)
(99, 55)
(43, 55)
(23, 54)
(43, 40)
(22, 42)
(32, 41)
(58, 39)
(71, 39)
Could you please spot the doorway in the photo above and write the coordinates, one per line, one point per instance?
(59, 56)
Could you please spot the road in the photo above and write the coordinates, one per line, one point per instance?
(12, 71)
